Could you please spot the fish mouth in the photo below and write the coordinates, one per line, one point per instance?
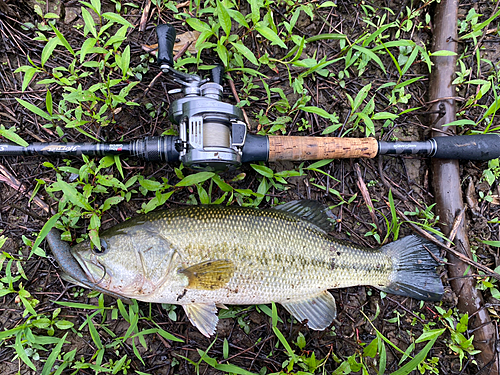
(95, 271)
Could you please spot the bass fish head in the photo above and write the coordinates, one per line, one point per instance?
(133, 261)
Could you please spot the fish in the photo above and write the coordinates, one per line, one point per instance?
(72, 271)
(204, 257)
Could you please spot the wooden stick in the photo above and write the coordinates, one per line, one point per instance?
(366, 196)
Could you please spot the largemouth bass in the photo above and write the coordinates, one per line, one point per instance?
(201, 257)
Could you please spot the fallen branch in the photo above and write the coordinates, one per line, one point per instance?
(448, 190)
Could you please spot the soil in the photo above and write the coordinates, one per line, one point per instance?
(252, 343)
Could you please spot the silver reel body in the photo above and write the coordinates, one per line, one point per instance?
(212, 133)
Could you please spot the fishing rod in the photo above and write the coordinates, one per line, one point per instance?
(213, 134)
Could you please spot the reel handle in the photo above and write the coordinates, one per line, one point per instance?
(166, 40)
(318, 148)
(217, 74)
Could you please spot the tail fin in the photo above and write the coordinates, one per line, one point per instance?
(415, 269)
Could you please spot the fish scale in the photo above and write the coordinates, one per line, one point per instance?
(201, 256)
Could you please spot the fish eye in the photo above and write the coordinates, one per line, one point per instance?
(104, 247)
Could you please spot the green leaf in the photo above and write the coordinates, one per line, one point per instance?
(419, 358)
(223, 55)
(408, 82)
(425, 57)
(118, 364)
(111, 202)
(62, 39)
(270, 35)
(224, 18)
(493, 108)
(89, 23)
(463, 323)
(48, 102)
(150, 185)
(230, 369)
(11, 135)
(238, 17)
(73, 195)
(169, 336)
(28, 75)
(255, 8)
(315, 38)
(491, 243)
(319, 111)
(95, 5)
(395, 43)
(443, 53)
(371, 55)
(77, 305)
(125, 63)
(331, 129)
(50, 16)
(410, 60)
(370, 127)
(117, 18)
(319, 164)
(195, 178)
(48, 49)
(432, 335)
(221, 184)
(43, 233)
(94, 334)
(202, 193)
(42, 323)
(371, 349)
(34, 109)
(382, 356)
(374, 35)
(328, 4)
(53, 356)
(18, 346)
(362, 94)
(283, 341)
(245, 51)
(463, 122)
(263, 170)
(384, 116)
(198, 25)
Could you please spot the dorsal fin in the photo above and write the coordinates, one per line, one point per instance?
(310, 210)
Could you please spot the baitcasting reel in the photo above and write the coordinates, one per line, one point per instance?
(211, 133)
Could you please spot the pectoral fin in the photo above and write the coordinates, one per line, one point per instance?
(209, 275)
(319, 310)
(203, 316)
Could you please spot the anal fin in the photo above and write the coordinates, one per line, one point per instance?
(319, 310)
(203, 316)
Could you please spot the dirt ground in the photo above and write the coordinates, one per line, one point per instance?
(251, 341)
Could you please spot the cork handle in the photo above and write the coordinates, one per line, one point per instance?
(317, 148)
